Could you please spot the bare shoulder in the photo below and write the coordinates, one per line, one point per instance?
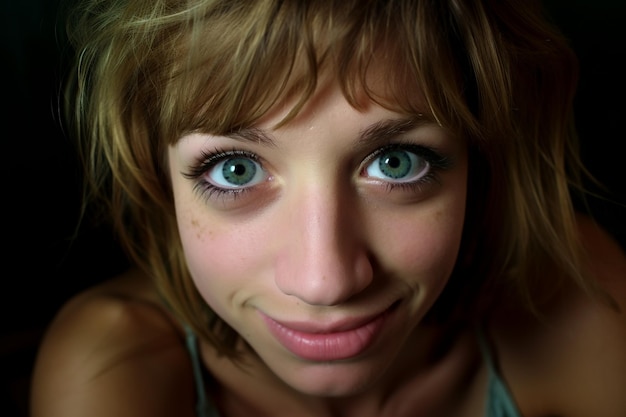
(596, 358)
(572, 362)
(607, 259)
(110, 351)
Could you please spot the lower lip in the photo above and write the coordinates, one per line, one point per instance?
(324, 347)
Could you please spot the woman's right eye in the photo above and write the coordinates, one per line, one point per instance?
(227, 172)
(236, 172)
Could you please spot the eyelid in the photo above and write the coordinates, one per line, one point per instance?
(435, 158)
(200, 172)
(437, 162)
(398, 166)
(208, 159)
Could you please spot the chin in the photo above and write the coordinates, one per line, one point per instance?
(332, 379)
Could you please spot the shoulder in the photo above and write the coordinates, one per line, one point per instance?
(112, 351)
(606, 258)
(572, 361)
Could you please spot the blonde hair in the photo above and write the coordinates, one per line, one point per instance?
(495, 71)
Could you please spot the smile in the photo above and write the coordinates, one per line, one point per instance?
(314, 342)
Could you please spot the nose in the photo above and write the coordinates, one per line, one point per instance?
(324, 258)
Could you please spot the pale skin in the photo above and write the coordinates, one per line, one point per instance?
(343, 247)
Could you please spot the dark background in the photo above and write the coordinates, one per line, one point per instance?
(40, 181)
(39, 196)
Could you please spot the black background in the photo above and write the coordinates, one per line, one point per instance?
(39, 183)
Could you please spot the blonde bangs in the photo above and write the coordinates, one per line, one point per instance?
(236, 63)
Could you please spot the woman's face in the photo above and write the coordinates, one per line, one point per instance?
(324, 242)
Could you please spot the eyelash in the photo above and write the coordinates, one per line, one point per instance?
(209, 160)
(435, 160)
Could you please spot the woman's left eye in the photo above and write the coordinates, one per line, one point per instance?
(398, 165)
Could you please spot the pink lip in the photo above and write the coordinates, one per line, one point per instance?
(317, 342)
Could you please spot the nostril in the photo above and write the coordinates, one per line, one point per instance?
(316, 282)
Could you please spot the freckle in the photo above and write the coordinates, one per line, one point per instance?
(195, 224)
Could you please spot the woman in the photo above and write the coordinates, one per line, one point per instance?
(335, 208)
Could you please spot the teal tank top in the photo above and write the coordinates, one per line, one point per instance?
(499, 402)
(204, 407)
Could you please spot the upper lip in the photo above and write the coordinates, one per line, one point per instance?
(336, 325)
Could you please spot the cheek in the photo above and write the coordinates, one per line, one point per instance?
(428, 236)
(224, 258)
(429, 246)
(422, 246)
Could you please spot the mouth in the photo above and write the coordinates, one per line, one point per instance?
(340, 340)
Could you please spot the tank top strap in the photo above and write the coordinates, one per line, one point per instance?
(204, 408)
(499, 401)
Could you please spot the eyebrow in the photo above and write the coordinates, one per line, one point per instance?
(389, 128)
(376, 132)
(252, 134)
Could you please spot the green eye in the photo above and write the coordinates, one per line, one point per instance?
(236, 173)
(397, 165)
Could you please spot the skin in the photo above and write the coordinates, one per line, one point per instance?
(114, 350)
(108, 351)
(361, 248)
